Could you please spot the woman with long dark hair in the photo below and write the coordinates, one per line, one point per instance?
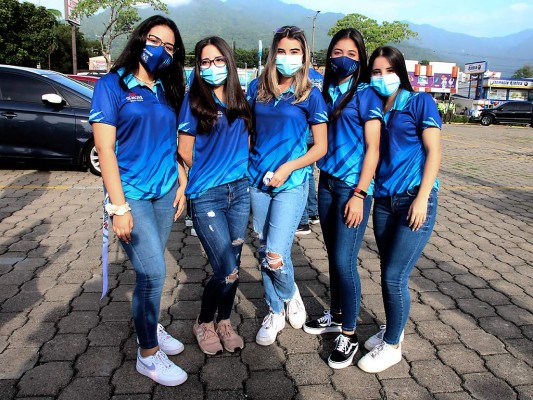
(134, 122)
(345, 185)
(214, 123)
(405, 196)
(284, 105)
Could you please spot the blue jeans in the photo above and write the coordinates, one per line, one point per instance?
(399, 249)
(342, 244)
(276, 217)
(152, 222)
(311, 208)
(220, 217)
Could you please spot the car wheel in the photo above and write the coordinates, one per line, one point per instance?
(486, 120)
(91, 158)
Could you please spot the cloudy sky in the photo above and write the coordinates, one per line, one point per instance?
(487, 18)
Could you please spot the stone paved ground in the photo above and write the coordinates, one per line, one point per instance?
(470, 333)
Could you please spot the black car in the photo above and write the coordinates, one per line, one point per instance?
(44, 115)
(511, 112)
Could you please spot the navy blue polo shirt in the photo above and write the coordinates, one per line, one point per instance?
(402, 155)
(281, 130)
(146, 134)
(346, 140)
(219, 156)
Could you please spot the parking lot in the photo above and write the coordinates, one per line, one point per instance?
(470, 332)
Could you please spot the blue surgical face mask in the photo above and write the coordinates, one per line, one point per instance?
(155, 58)
(288, 65)
(385, 85)
(343, 66)
(214, 76)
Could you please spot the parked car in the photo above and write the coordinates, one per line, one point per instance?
(87, 79)
(511, 112)
(44, 115)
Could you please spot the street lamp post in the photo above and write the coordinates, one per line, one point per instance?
(313, 39)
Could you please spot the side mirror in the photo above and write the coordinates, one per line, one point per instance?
(52, 98)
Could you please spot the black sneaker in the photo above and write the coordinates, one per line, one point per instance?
(303, 229)
(325, 324)
(314, 219)
(345, 348)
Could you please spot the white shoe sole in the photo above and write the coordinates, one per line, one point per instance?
(319, 331)
(150, 374)
(375, 368)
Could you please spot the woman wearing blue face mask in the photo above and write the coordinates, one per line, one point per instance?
(405, 196)
(345, 185)
(133, 116)
(214, 122)
(284, 105)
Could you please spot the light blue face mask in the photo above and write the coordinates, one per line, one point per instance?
(288, 65)
(385, 85)
(214, 76)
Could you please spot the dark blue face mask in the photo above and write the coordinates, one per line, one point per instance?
(155, 58)
(343, 66)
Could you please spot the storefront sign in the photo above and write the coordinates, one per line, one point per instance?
(476, 68)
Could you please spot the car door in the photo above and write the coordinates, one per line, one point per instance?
(523, 113)
(29, 127)
(506, 113)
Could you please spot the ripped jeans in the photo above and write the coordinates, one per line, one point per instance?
(220, 217)
(276, 217)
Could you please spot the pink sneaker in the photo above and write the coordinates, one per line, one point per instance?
(207, 338)
(228, 336)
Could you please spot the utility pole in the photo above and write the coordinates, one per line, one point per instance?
(313, 39)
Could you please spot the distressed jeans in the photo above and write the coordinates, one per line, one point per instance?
(220, 217)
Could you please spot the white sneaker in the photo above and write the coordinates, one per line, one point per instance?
(373, 341)
(193, 232)
(380, 358)
(160, 369)
(167, 343)
(188, 221)
(296, 310)
(272, 324)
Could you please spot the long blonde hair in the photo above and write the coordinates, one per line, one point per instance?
(269, 79)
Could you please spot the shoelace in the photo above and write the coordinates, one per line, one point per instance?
(326, 319)
(162, 334)
(226, 329)
(162, 359)
(343, 343)
(207, 331)
(378, 349)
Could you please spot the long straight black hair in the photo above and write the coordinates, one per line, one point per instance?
(397, 62)
(201, 98)
(361, 75)
(173, 77)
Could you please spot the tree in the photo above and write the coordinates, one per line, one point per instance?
(123, 17)
(375, 35)
(525, 72)
(61, 56)
(26, 33)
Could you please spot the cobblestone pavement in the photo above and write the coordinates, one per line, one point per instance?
(470, 332)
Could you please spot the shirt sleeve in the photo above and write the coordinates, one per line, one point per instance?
(106, 101)
(317, 111)
(370, 104)
(427, 113)
(187, 122)
(251, 93)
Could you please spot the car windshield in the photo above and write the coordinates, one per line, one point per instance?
(72, 84)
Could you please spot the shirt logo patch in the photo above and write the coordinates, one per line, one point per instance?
(131, 97)
(220, 114)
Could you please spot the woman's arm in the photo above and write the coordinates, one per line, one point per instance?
(353, 211)
(185, 147)
(180, 199)
(105, 141)
(432, 145)
(315, 152)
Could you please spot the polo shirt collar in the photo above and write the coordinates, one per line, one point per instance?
(289, 90)
(337, 90)
(131, 81)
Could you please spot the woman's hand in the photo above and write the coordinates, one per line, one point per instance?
(280, 176)
(122, 226)
(179, 201)
(417, 213)
(353, 211)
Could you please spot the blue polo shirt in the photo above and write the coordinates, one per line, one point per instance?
(316, 78)
(146, 132)
(346, 140)
(220, 156)
(402, 154)
(281, 130)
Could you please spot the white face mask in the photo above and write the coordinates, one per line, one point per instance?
(385, 85)
(288, 65)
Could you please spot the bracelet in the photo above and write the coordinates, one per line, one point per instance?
(359, 197)
(359, 191)
(113, 209)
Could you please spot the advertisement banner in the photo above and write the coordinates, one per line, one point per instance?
(69, 6)
(476, 67)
